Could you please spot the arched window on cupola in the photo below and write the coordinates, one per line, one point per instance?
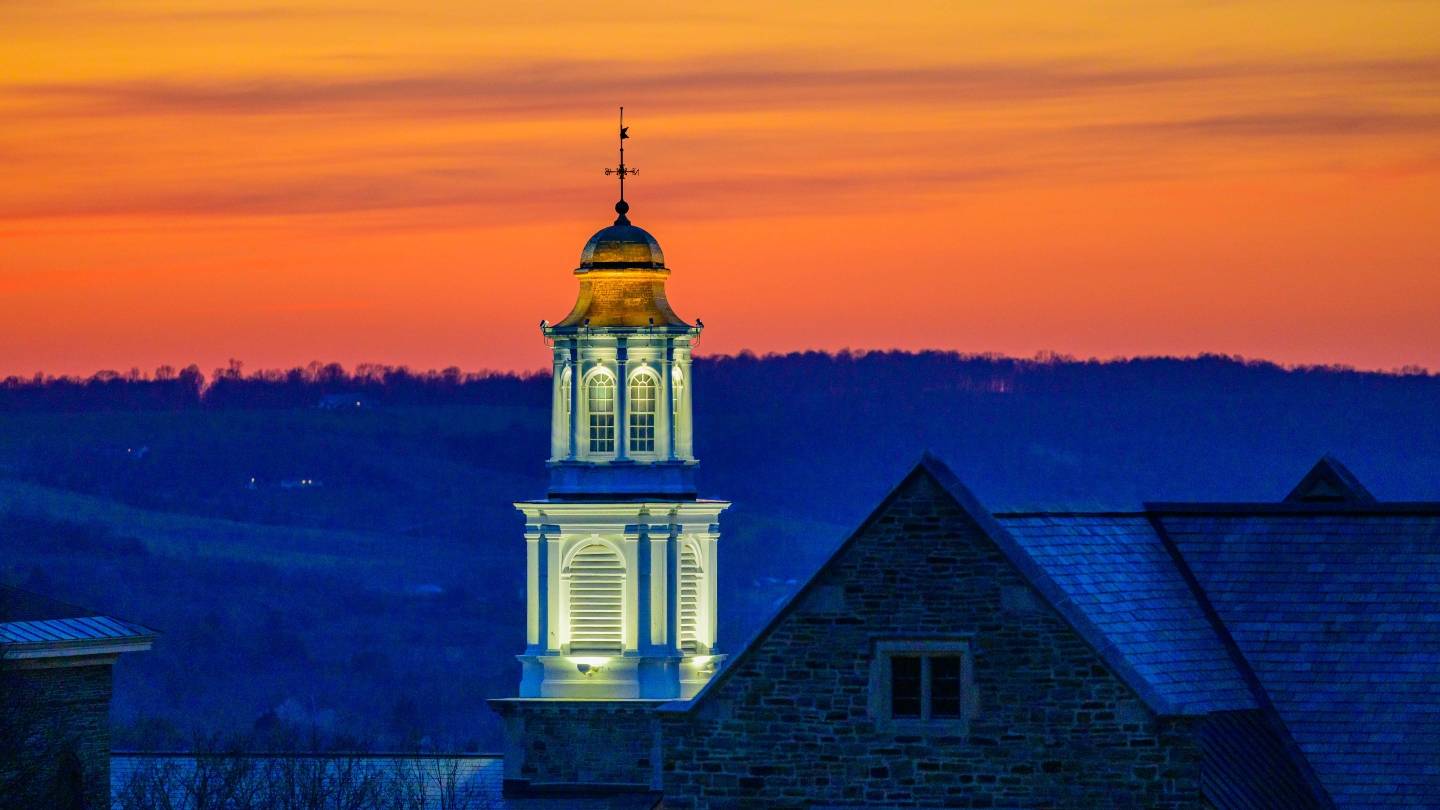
(565, 378)
(691, 592)
(643, 390)
(677, 389)
(600, 403)
(595, 606)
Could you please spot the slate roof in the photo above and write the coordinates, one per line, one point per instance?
(1337, 613)
(1305, 633)
(478, 779)
(1117, 571)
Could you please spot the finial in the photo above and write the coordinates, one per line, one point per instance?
(622, 207)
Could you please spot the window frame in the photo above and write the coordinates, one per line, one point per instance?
(634, 416)
(882, 683)
(593, 380)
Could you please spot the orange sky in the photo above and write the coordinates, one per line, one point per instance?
(412, 182)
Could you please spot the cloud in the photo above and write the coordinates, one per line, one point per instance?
(1297, 124)
(801, 165)
(736, 82)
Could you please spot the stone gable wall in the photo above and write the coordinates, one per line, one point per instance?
(579, 742)
(1051, 726)
(47, 712)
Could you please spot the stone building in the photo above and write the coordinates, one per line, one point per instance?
(55, 682)
(1240, 655)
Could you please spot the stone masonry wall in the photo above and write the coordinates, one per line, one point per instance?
(1051, 726)
(47, 713)
(564, 742)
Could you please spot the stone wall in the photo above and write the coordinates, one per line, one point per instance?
(47, 715)
(792, 725)
(553, 743)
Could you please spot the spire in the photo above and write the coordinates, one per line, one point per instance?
(622, 207)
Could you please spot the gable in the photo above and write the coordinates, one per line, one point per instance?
(1329, 481)
(1046, 720)
(951, 512)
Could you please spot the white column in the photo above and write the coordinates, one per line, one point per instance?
(575, 385)
(622, 400)
(672, 590)
(712, 576)
(534, 589)
(631, 631)
(558, 624)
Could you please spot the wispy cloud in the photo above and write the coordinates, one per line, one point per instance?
(739, 82)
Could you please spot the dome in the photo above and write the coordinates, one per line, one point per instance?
(621, 246)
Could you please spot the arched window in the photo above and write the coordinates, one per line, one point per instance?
(596, 577)
(690, 595)
(642, 413)
(677, 389)
(601, 403)
(565, 391)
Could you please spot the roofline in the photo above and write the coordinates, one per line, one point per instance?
(33, 650)
(1425, 508)
(1068, 513)
(1268, 712)
(1013, 551)
(682, 706)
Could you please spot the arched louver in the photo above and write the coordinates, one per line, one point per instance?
(597, 600)
(690, 594)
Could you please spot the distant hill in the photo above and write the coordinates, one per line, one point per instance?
(335, 554)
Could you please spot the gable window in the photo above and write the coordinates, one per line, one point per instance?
(642, 413)
(921, 681)
(601, 404)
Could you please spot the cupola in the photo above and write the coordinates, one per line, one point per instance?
(621, 246)
(622, 276)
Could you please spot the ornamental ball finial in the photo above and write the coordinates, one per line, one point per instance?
(622, 208)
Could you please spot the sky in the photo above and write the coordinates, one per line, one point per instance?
(411, 183)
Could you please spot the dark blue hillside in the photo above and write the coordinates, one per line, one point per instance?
(352, 573)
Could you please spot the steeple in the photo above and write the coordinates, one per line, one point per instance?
(621, 554)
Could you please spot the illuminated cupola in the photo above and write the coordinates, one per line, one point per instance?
(621, 554)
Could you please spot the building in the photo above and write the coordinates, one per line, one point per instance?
(1191, 655)
(621, 554)
(56, 664)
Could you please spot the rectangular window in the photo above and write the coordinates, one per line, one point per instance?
(602, 432)
(905, 686)
(642, 433)
(944, 686)
(921, 681)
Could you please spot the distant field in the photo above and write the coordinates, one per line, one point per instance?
(380, 604)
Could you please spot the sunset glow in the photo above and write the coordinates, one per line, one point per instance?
(412, 183)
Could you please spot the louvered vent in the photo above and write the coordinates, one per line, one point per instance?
(597, 600)
(689, 599)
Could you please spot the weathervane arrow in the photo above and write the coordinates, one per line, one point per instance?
(622, 169)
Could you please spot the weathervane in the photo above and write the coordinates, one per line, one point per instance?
(622, 170)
